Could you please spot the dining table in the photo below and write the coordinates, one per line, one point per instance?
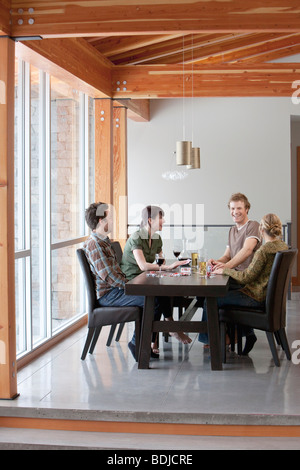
(176, 284)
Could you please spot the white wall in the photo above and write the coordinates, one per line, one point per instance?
(245, 146)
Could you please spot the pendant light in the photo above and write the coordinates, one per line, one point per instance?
(183, 147)
(195, 151)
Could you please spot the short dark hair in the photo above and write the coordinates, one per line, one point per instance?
(95, 212)
(239, 197)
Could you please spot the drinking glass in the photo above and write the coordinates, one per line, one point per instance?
(160, 259)
(202, 263)
(177, 248)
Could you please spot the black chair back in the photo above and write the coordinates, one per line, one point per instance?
(88, 279)
(278, 287)
(118, 250)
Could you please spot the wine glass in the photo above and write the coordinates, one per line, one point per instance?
(177, 249)
(160, 259)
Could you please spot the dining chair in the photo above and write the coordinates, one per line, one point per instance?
(103, 316)
(271, 318)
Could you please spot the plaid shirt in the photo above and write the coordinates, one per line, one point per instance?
(103, 263)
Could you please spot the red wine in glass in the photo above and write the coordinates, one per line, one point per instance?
(160, 259)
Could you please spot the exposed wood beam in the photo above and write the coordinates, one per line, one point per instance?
(137, 110)
(250, 46)
(171, 50)
(114, 45)
(4, 17)
(91, 78)
(263, 55)
(60, 18)
(224, 80)
(78, 62)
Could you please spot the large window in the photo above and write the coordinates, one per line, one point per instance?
(54, 151)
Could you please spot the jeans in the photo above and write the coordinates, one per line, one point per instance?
(234, 298)
(116, 298)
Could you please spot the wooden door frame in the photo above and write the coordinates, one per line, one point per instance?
(296, 279)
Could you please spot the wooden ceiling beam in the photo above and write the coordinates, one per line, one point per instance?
(137, 110)
(171, 50)
(251, 46)
(214, 47)
(264, 55)
(4, 17)
(61, 18)
(76, 61)
(114, 45)
(88, 72)
(225, 80)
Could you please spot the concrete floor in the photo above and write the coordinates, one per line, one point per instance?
(179, 387)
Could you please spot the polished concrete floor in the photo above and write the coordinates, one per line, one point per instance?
(179, 387)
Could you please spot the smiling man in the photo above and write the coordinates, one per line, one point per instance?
(243, 241)
(244, 237)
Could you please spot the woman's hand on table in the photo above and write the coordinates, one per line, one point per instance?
(176, 264)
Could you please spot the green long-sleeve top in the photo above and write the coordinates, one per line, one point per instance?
(256, 277)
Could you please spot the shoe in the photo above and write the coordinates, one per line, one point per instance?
(132, 348)
(250, 342)
(154, 355)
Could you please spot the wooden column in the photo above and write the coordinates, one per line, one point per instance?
(8, 373)
(103, 151)
(120, 172)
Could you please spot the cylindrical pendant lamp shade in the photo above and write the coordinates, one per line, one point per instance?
(195, 158)
(183, 152)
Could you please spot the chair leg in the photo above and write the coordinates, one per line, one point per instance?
(95, 339)
(87, 343)
(272, 345)
(277, 337)
(120, 330)
(284, 343)
(111, 334)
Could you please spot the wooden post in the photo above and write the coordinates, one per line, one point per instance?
(8, 373)
(120, 172)
(103, 151)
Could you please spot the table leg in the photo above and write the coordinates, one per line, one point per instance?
(214, 334)
(146, 333)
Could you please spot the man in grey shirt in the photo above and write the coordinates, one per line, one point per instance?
(244, 237)
(243, 240)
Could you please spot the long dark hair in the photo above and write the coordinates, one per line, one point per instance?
(150, 212)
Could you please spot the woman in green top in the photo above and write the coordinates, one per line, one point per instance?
(255, 278)
(139, 255)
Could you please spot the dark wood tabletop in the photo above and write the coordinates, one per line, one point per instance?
(179, 286)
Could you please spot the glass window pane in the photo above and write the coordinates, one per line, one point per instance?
(20, 303)
(91, 137)
(19, 157)
(67, 294)
(65, 162)
(39, 312)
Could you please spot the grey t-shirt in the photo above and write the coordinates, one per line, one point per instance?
(237, 237)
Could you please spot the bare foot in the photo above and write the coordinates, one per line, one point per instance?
(183, 338)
